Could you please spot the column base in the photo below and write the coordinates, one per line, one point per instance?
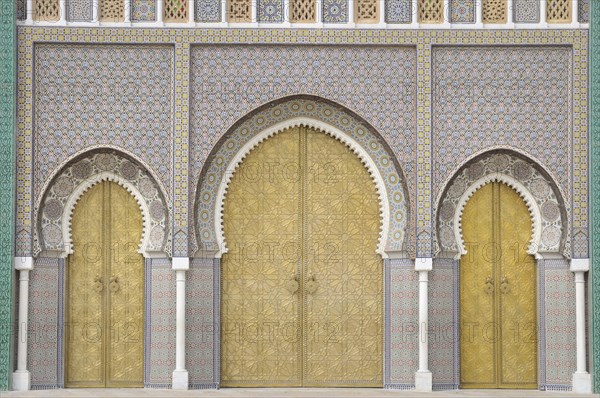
(180, 380)
(423, 381)
(21, 380)
(582, 383)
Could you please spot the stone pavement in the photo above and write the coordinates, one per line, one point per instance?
(282, 392)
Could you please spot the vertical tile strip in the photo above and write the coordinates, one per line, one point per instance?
(595, 189)
(7, 168)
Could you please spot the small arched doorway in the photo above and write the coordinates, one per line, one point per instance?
(105, 291)
(301, 282)
(498, 315)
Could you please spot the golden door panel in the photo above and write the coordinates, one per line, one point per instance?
(105, 291)
(498, 290)
(344, 309)
(260, 338)
(301, 281)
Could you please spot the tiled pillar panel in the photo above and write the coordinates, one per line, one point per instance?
(202, 330)
(46, 315)
(7, 129)
(402, 327)
(160, 323)
(443, 324)
(595, 191)
(558, 348)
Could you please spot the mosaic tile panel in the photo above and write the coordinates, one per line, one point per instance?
(335, 11)
(443, 323)
(402, 334)
(383, 93)
(583, 11)
(218, 167)
(43, 359)
(143, 10)
(462, 11)
(526, 11)
(522, 97)
(398, 11)
(21, 10)
(594, 279)
(8, 36)
(560, 349)
(208, 10)
(201, 330)
(160, 323)
(79, 10)
(103, 96)
(270, 10)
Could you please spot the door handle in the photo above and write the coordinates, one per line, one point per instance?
(98, 284)
(311, 285)
(114, 284)
(504, 286)
(489, 285)
(292, 285)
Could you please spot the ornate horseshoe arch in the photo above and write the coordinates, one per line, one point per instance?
(326, 118)
(546, 208)
(70, 184)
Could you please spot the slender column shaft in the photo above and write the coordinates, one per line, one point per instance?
(180, 345)
(580, 320)
(423, 320)
(29, 11)
(23, 321)
(127, 11)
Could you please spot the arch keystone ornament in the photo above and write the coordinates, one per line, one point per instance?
(82, 173)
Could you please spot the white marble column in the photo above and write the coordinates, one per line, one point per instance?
(582, 381)
(423, 376)
(21, 376)
(127, 11)
(159, 11)
(29, 11)
(180, 374)
(192, 12)
(62, 4)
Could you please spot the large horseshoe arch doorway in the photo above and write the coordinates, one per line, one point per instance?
(301, 282)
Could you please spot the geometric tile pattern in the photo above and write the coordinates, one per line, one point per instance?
(398, 11)
(526, 11)
(79, 10)
(462, 11)
(8, 36)
(335, 11)
(594, 135)
(200, 323)
(402, 351)
(270, 10)
(584, 11)
(367, 11)
(559, 303)
(160, 324)
(555, 221)
(21, 10)
(208, 10)
(42, 345)
(144, 10)
(218, 166)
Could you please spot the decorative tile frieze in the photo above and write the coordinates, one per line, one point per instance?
(462, 11)
(208, 10)
(335, 11)
(270, 10)
(398, 11)
(526, 11)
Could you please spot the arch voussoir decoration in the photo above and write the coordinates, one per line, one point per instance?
(546, 208)
(74, 180)
(324, 117)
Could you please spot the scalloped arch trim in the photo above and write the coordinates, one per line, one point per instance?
(532, 206)
(82, 188)
(367, 161)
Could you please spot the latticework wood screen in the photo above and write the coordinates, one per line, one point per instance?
(111, 10)
(46, 10)
(366, 11)
(303, 11)
(494, 11)
(239, 11)
(559, 11)
(431, 11)
(175, 11)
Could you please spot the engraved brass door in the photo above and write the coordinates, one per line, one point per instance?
(302, 285)
(498, 325)
(105, 291)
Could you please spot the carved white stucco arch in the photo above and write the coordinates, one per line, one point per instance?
(82, 188)
(355, 147)
(532, 206)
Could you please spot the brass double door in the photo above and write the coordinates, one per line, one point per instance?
(301, 283)
(498, 328)
(105, 291)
